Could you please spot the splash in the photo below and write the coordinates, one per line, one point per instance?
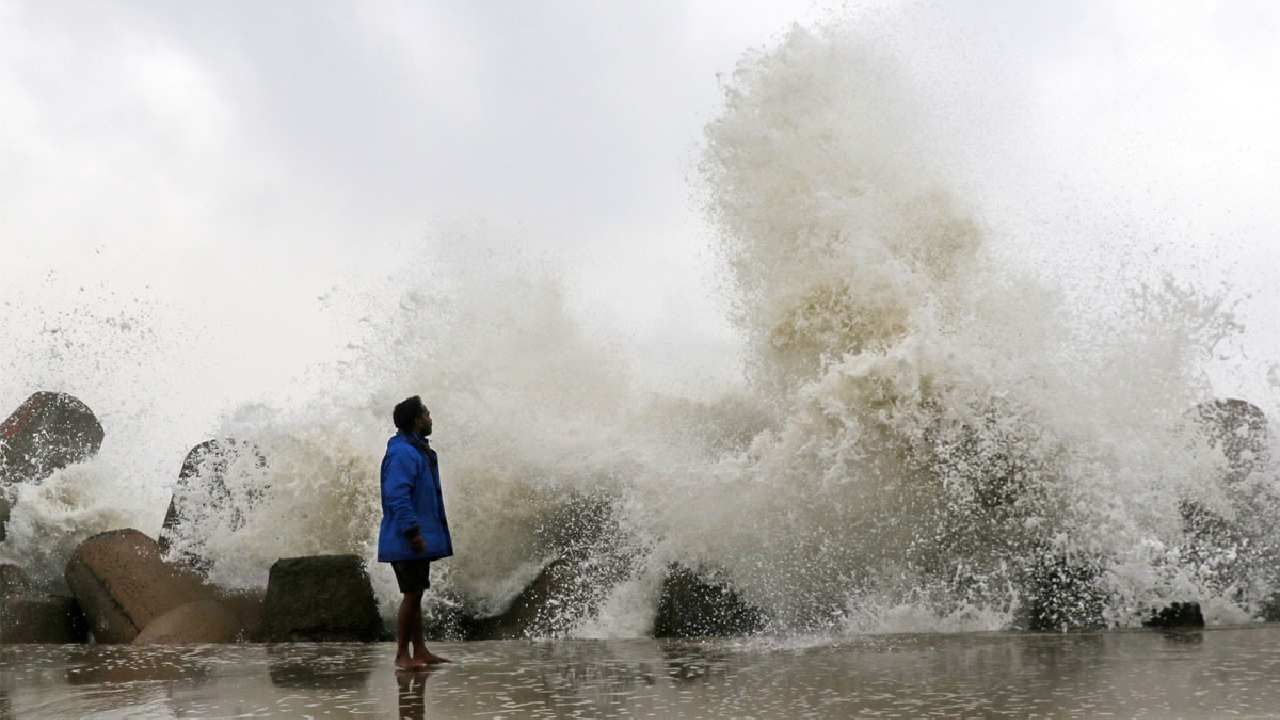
(945, 429)
(926, 439)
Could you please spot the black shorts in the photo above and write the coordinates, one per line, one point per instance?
(413, 576)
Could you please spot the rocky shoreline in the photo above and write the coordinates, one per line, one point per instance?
(126, 587)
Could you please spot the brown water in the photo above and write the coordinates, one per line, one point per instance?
(1233, 672)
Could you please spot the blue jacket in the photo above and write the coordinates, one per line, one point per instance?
(412, 499)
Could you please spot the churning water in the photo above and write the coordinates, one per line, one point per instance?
(925, 439)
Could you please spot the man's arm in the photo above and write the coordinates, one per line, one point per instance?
(398, 487)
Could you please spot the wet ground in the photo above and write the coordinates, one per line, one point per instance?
(1211, 674)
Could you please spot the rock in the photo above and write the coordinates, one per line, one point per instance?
(13, 581)
(249, 609)
(693, 605)
(219, 479)
(323, 598)
(1063, 595)
(123, 585)
(1177, 615)
(446, 617)
(1239, 429)
(1233, 546)
(532, 613)
(195, 623)
(50, 620)
(48, 432)
(589, 555)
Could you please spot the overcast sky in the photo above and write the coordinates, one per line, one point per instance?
(205, 172)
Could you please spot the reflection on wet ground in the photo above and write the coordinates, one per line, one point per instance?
(1207, 674)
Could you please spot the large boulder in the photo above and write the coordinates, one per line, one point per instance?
(1239, 429)
(44, 620)
(195, 623)
(218, 482)
(123, 584)
(446, 616)
(1062, 594)
(13, 581)
(27, 618)
(48, 432)
(588, 555)
(1177, 615)
(323, 598)
(702, 605)
(539, 610)
(249, 609)
(1234, 547)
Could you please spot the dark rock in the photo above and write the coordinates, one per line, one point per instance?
(589, 555)
(324, 598)
(50, 620)
(1063, 595)
(1271, 608)
(1177, 615)
(6, 506)
(693, 605)
(203, 487)
(249, 609)
(446, 617)
(1234, 549)
(48, 432)
(123, 584)
(195, 623)
(535, 612)
(1240, 430)
(13, 581)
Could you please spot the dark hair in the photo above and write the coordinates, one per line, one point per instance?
(407, 413)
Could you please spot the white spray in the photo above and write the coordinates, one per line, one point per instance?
(920, 424)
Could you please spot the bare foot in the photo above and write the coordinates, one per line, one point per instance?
(407, 663)
(430, 658)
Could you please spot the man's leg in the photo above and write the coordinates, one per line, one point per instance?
(419, 642)
(409, 618)
(420, 651)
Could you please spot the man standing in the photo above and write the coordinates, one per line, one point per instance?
(414, 528)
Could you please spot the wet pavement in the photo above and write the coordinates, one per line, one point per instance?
(1231, 672)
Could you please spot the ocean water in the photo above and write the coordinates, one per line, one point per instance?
(1225, 672)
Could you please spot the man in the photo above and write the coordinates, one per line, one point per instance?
(414, 528)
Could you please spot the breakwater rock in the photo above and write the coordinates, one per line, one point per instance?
(28, 618)
(48, 432)
(196, 622)
(43, 620)
(588, 554)
(1177, 615)
(693, 604)
(323, 598)
(123, 584)
(219, 481)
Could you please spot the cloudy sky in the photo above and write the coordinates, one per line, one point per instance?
(201, 176)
